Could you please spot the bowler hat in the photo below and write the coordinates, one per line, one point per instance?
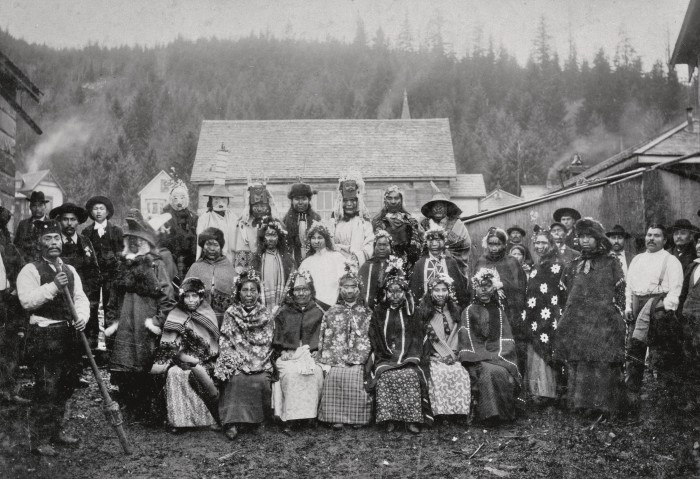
(37, 197)
(618, 230)
(100, 200)
(566, 212)
(79, 212)
(516, 228)
(683, 224)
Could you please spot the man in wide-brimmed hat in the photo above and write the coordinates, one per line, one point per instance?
(683, 247)
(653, 276)
(618, 237)
(53, 351)
(77, 251)
(568, 217)
(518, 236)
(219, 216)
(107, 242)
(26, 234)
(442, 212)
(298, 219)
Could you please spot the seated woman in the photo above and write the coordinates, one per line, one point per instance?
(215, 270)
(187, 352)
(297, 327)
(450, 387)
(394, 371)
(545, 301)
(244, 365)
(487, 350)
(343, 350)
(325, 264)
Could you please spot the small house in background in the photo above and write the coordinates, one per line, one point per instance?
(42, 180)
(407, 153)
(466, 190)
(528, 192)
(498, 198)
(13, 83)
(154, 196)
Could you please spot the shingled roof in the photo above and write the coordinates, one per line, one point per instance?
(315, 149)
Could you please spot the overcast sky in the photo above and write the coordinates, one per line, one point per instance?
(650, 24)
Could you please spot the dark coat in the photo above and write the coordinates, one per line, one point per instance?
(685, 254)
(83, 258)
(182, 239)
(514, 284)
(291, 224)
(370, 276)
(26, 236)
(295, 327)
(107, 250)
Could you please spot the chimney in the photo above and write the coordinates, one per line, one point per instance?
(689, 117)
(405, 112)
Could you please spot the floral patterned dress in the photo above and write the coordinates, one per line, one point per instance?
(544, 302)
(343, 350)
(244, 366)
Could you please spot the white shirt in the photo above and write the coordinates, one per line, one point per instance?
(101, 227)
(32, 294)
(643, 278)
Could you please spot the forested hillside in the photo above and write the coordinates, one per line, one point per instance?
(114, 117)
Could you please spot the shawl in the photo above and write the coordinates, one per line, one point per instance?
(514, 283)
(438, 340)
(406, 233)
(194, 332)
(371, 275)
(344, 338)
(281, 265)
(545, 297)
(485, 335)
(295, 327)
(462, 287)
(245, 342)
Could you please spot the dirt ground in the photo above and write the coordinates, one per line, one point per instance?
(660, 442)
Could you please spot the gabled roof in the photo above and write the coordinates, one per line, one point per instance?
(30, 181)
(499, 198)
(672, 143)
(688, 41)
(155, 178)
(468, 186)
(313, 149)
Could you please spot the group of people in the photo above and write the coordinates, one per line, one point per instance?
(224, 322)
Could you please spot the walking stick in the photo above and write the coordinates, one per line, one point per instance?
(111, 409)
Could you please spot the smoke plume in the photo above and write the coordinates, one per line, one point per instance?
(61, 137)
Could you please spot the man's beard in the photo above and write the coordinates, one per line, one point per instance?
(69, 232)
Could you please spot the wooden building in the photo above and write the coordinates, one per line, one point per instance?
(408, 153)
(498, 198)
(155, 195)
(13, 84)
(466, 191)
(42, 180)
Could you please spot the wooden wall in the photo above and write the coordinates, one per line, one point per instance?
(8, 131)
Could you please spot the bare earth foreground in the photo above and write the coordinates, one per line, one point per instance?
(660, 442)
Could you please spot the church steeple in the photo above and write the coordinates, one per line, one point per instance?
(405, 112)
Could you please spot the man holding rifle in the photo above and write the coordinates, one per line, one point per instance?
(53, 348)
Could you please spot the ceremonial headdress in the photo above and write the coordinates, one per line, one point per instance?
(494, 231)
(257, 193)
(446, 279)
(301, 277)
(219, 189)
(485, 276)
(439, 196)
(191, 285)
(351, 186)
(438, 231)
(247, 276)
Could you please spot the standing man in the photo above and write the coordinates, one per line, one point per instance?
(558, 231)
(567, 217)
(107, 241)
(618, 236)
(406, 233)
(683, 245)
(53, 349)
(354, 235)
(78, 252)
(440, 211)
(298, 220)
(218, 216)
(26, 234)
(654, 281)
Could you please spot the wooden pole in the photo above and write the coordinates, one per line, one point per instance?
(111, 408)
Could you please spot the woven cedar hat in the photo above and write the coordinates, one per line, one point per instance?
(452, 208)
(219, 189)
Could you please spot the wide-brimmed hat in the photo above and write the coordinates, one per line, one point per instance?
(566, 212)
(618, 230)
(219, 189)
(78, 211)
(137, 226)
(100, 200)
(683, 224)
(516, 228)
(37, 197)
(452, 208)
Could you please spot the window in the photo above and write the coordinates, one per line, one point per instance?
(155, 207)
(164, 185)
(323, 203)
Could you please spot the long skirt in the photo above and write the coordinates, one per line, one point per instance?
(344, 399)
(450, 388)
(541, 377)
(245, 398)
(496, 391)
(398, 396)
(296, 395)
(185, 407)
(595, 386)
